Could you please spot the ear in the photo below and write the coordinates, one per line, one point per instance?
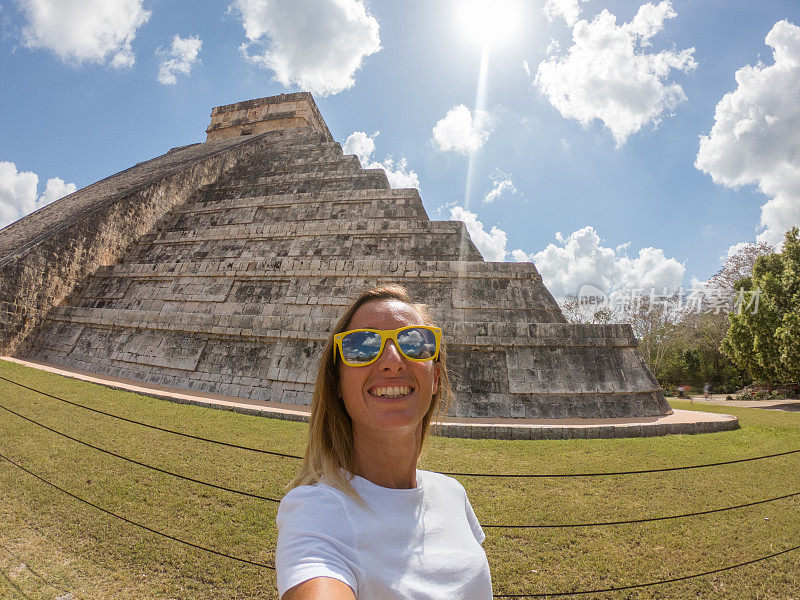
(437, 370)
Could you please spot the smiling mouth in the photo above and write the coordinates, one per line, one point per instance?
(395, 391)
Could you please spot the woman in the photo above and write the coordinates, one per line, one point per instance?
(360, 521)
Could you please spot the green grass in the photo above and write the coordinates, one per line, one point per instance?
(78, 549)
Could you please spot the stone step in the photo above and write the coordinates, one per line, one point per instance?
(407, 197)
(332, 312)
(498, 334)
(419, 244)
(308, 159)
(286, 143)
(314, 175)
(314, 229)
(364, 179)
(262, 295)
(444, 248)
(338, 165)
(259, 286)
(300, 152)
(308, 267)
(253, 212)
(333, 163)
(276, 352)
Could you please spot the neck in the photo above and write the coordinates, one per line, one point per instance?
(388, 459)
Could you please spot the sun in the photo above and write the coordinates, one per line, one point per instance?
(489, 21)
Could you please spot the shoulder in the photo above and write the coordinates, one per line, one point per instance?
(440, 484)
(310, 503)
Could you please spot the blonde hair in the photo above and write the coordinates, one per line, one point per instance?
(330, 452)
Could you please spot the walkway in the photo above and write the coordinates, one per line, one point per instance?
(791, 405)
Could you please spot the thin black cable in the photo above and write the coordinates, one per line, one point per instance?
(145, 527)
(14, 586)
(38, 575)
(646, 520)
(141, 464)
(487, 526)
(450, 473)
(272, 567)
(164, 429)
(650, 584)
(605, 473)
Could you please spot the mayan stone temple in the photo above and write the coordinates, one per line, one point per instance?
(221, 267)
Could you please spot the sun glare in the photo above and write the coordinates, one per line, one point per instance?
(489, 21)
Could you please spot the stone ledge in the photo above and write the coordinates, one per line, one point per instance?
(288, 267)
(314, 328)
(305, 198)
(315, 229)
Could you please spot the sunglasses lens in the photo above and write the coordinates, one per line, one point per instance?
(417, 342)
(360, 347)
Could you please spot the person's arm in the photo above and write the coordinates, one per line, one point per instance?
(320, 588)
(316, 555)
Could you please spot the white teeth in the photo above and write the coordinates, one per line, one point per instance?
(393, 391)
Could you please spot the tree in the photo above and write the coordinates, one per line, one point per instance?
(763, 334)
(576, 311)
(738, 265)
(704, 322)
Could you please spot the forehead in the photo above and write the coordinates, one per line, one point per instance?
(385, 314)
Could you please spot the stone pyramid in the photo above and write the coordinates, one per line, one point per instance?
(222, 266)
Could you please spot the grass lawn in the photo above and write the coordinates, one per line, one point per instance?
(67, 546)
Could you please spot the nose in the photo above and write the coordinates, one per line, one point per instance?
(390, 359)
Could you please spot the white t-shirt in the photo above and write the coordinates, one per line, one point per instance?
(422, 543)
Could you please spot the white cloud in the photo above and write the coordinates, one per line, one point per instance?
(520, 256)
(18, 192)
(526, 67)
(85, 30)
(569, 10)
(179, 59)
(606, 74)
(501, 185)
(54, 189)
(492, 244)
(317, 45)
(397, 172)
(756, 134)
(462, 130)
(580, 259)
(362, 145)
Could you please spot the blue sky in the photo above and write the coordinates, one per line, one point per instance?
(588, 126)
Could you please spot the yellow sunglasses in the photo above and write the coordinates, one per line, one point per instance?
(362, 347)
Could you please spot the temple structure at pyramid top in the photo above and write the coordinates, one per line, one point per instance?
(222, 267)
(287, 111)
